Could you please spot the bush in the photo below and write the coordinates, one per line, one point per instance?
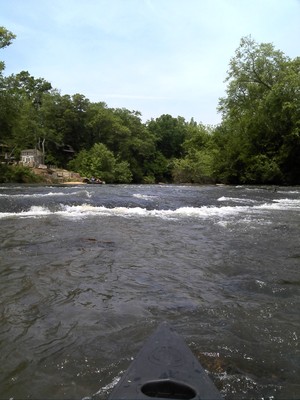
(195, 168)
(101, 163)
(17, 174)
(262, 169)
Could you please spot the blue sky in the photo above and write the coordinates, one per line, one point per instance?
(154, 56)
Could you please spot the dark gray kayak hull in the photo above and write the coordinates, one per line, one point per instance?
(165, 368)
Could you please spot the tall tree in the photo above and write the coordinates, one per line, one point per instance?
(101, 162)
(170, 133)
(28, 93)
(6, 38)
(8, 110)
(197, 164)
(262, 82)
(123, 132)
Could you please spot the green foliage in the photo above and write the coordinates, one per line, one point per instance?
(123, 133)
(159, 169)
(261, 117)
(262, 169)
(195, 169)
(122, 173)
(6, 38)
(17, 173)
(169, 133)
(23, 123)
(197, 165)
(258, 140)
(229, 154)
(101, 163)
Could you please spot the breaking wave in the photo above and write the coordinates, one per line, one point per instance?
(44, 195)
(144, 196)
(282, 204)
(236, 200)
(205, 212)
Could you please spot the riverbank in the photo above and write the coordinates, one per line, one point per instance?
(74, 183)
(43, 174)
(58, 175)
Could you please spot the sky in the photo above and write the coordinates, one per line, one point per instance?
(153, 56)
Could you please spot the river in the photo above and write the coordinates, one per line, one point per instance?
(87, 272)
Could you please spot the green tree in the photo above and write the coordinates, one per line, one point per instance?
(64, 121)
(102, 125)
(197, 165)
(6, 38)
(123, 132)
(230, 153)
(138, 146)
(27, 128)
(169, 133)
(101, 163)
(8, 110)
(261, 168)
(75, 116)
(157, 168)
(260, 115)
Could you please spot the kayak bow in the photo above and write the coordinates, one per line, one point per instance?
(165, 368)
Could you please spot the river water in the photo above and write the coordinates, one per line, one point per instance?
(88, 272)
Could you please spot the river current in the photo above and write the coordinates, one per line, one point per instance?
(88, 272)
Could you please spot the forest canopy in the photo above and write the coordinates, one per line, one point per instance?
(257, 142)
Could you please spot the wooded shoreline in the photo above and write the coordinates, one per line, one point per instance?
(257, 142)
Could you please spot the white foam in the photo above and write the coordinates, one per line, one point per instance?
(35, 195)
(276, 204)
(33, 212)
(10, 187)
(144, 196)
(288, 202)
(281, 204)
(237, 199)
(49, 194)
(205, 212)
(289, 191)
(109, 386)
(86, 210)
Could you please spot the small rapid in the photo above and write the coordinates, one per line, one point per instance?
(87, 273)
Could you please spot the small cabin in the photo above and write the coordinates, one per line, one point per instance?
(31, 157)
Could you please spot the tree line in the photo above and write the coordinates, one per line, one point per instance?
(257, 141)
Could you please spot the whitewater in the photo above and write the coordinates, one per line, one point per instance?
(87, 272)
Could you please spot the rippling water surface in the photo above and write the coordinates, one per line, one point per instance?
(88, 272)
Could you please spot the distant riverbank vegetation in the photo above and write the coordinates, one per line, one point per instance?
(257, 142)
(18, 174)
